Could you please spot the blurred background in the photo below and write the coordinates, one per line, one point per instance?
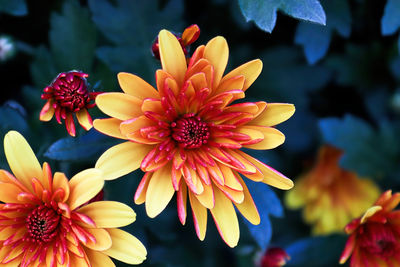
(343, 78)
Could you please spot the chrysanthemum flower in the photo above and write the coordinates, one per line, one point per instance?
(44, 222)
(375, 237)
(68, 95)
(187, 137)
(189, 36)
(330, 195)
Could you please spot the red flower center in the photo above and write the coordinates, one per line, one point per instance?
(379, 239)
(189, 131)
(42, 224)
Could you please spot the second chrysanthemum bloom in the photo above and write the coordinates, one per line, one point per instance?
(186, 136)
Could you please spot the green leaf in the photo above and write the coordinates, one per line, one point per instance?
(14, 7)
(309, 251)
(315, 39)
(263, 13)
(87, 146)
(42, 67)
(370, 153)
(390, 22)
(72, 38)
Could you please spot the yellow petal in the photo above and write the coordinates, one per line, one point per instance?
(297, 197)
(217, 52)
(84, 186)
(23, 162)
(370, 212)
(225, 219)
(84, 119)
(248, 208)
(271, 176)
(109, 214)
(199, 216)
(98, 259)
(271, 137)
(274, 114)
(206, 198)
(109, 127)
(136, 86)
(47, 112)
(234, 83)
(159, 192)
(121, 159)
(119, 105)
(9, 193)
(125, 247)
(172, 57)
(250, 70)
(103, 239)
(230, 178)
(61, 181)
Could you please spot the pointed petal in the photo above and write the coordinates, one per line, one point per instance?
(60, 181)
(173, 59)
(47, 112)
(250, 70)
(84, 186)
(225, 219)
(121, 159)
(248, 208)
(99, 259)
(273, 114)
(159, 192)
(370, 212)
(136, 86)
(217, 52)
(109, 127)
(271, 137)
(119, 105)
(348, 249)
(181, 199)
(140, 195)
(84, 119)
(190, 34)
(109, 214)
(125, 247)
(23, 162)
(199, 216)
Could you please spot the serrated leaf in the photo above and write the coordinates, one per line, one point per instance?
(72, 37)
(390, 22)
(315, 39)
(316, 251)
(81, 148)
(263, 13)
(14, 7)
(267, 204)
(370, 153)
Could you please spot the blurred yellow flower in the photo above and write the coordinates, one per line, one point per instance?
(44, 220)
(330, 195)
(186, 136)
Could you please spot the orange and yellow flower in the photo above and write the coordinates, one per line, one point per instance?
(44, 220)
(186, 136)
(375, 237)
(330, 195)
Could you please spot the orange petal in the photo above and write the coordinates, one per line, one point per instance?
(109, 127)
(348, 249)
(125, 247)
(98, 259)
(136, 86)
(234, 83)
(47, 111)
(21, 159)
(225, 219)
(84, 119)
(273, 114)
(119, 105)
(217, 52)
(172, 57)
(199, 216)
(159, 192)
(190, 34)
(60, 181)
(9, 193)
(121, 159)
(250, 70)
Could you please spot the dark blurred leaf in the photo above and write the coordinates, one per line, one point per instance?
(42, 67)
(315, 39)
(87, 146)
(14, 7)
(263, 13)
(267, 204)
(72, 37)
(368, 152)
(316, 251)
(391, 19)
